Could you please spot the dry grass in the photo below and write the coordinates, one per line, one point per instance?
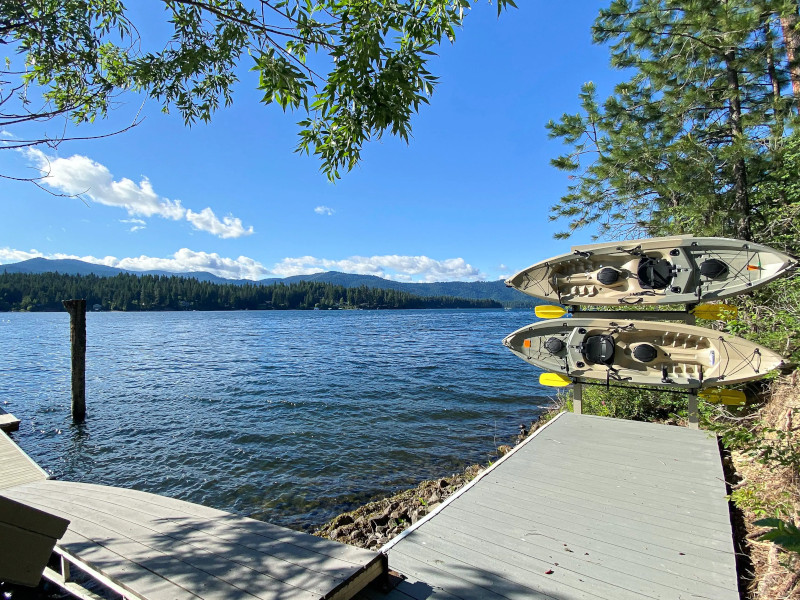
(764, 490)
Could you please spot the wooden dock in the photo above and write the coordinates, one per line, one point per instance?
(8, 422)
(587, 508)
(16, 467)
(146, 546)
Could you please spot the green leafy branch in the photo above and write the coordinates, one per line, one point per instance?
(783, 533)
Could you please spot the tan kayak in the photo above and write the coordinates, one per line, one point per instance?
(681, 269)
(641, 352)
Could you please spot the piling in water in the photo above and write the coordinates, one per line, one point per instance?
(77, 337)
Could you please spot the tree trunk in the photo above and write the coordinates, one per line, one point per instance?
(741, 202)
(791, 38)
(77, 338)
(773, 77)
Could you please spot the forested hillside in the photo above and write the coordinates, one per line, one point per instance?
(476, 290)
(125, 292)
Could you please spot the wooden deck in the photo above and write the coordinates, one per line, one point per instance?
(588, 508)
(8, 422)
(142, 545)
(16, 467)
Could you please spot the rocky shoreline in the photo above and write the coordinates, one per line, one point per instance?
(374, 524)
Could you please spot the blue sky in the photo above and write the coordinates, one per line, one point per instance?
(467, 199)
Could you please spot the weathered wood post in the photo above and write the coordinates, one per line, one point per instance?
(577, 397)
(693, 410)
(77, 338)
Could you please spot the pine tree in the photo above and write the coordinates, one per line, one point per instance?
(680, 146)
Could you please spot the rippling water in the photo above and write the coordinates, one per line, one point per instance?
(291, 417)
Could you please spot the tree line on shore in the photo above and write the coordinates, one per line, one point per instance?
(128, 292)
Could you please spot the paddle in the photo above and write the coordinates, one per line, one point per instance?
(549, 311)
(716, 312)
(712, 395)
(721, 396)
(711, 312)
(554, 380)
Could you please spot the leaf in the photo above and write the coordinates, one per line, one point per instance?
(783, 533)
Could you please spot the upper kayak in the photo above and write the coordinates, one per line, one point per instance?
(641, 352)
(671, 270)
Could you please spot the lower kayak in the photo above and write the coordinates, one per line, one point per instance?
(641, 352)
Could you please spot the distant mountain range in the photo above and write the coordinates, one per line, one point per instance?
(492, 290)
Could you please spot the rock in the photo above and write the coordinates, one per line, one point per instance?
(378, 522)
(443, 483)
(434, 499)
(502, 450)
(399, 515)
(418, 514)
(344, 519)
(357, 536)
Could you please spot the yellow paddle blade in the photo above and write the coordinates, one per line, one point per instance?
(716, 312)
(726, 397)
(554, 380)
(549, 311)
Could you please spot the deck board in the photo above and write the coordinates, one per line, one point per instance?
(159, 547)
(588, 508)
(16, 467)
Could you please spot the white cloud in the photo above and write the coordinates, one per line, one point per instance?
(8, 255)
(324, 210)
(80, 175)
(136, 224)
(206, 220)
(183, 261)
(186, 260)
(400, 268)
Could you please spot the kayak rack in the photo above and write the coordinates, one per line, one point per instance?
(684, 316)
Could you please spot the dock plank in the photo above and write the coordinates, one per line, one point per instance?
(203, 551)
(588, 507)
(137, 542)
(666, 525)
(8, 422)
(16, 467)
(219, 523)
(163, 534)
(610, 567)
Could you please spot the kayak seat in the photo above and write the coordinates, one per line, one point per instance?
(608, 276)
(645, 353)
(713, 268)
(598, 349)
(654, 273)
(554, 345)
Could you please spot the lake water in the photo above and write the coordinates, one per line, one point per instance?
(290, 417)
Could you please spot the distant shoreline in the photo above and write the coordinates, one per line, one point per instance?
(231, 310)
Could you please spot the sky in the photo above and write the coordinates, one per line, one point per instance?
(467, 199)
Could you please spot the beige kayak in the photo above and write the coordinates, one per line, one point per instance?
(681, 269)
(641, 352)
